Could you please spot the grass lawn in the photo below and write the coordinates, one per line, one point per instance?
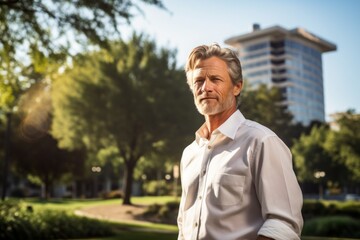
(140, 236)
(164, 236)
(123, 230)
(74, 204)
(326, 238)
(126, 230)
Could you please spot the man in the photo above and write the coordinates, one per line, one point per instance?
(237, 176)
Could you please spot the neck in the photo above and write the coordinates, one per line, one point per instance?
(215, 121)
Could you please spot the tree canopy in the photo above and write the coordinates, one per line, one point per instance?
(131, 97)
(38, 36)
(35, 33)
(47, 24)
(332, 150)
(33, 150)
(344, 141)
(263, 105)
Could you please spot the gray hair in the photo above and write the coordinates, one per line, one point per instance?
(229, 56)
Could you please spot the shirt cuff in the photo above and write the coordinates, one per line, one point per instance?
(277, 230)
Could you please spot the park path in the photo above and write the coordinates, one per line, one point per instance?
(114, 212)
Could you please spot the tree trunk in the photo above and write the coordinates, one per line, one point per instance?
(158, 182)
(74, 189)
(107, 180)
(47, 187)
(95, 186)
(83, 190)
(6, 156)
(107, 184)
(128, 180)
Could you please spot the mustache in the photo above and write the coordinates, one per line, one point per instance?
(206, 96)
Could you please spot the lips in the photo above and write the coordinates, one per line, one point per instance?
(207, 98)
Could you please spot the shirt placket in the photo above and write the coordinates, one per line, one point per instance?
(207, 151)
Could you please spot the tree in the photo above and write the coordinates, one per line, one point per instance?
(34, 31)
(131, 97)
(47, 25)
(42, 158)
(344, 141)
(263, 105)
(331, 150)
(38, 34)
(311, 156)
(34, 150)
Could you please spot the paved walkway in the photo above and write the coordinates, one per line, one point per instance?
(115, 212)
(120, 213)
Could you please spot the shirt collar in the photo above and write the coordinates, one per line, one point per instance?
(228, 128)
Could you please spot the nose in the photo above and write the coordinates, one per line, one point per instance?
(206, 87)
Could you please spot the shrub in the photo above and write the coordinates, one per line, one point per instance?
(18, 221)
(157, 188)
(18, 193)
(313, 208)
(323, 208)
(351, 209)
(166, 213)
(335, 226)
(112, 194)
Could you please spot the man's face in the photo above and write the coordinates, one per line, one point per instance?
(212, 87)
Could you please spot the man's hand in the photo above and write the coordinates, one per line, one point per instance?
(263, 238)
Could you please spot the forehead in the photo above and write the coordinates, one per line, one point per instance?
(213, 65)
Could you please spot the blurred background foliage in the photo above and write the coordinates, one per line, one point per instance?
(83, 109)
(85, 113)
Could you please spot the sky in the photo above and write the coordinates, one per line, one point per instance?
(189, 23)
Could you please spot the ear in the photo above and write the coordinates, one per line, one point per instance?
(237, 88)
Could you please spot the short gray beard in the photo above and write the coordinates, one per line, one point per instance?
(217, 109)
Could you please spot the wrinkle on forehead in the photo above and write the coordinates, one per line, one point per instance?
(196, 72)
(206, 67)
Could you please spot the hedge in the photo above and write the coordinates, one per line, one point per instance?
(332, 226)
(18, 221)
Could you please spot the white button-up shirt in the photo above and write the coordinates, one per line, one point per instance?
(238, 184)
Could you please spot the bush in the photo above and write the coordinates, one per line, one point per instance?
(18, 193)
(166, 213)
(334, 226)
(112, 194)
(313, 209)
(351, 209)
(18, 221)
(157, 188)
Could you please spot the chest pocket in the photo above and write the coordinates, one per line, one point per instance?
(227, 189)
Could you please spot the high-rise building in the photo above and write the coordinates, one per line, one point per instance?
(290, 60)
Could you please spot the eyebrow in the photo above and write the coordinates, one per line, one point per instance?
(200, 73)
(215, 75)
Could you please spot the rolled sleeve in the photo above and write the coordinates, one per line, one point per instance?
(275, 229)
(278, 191)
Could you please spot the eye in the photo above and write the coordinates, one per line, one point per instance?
(215, 78)
(198, 81)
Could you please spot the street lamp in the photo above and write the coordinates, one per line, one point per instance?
(319, 175)
(95, 170)
(176, 174)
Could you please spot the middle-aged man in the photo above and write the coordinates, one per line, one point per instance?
(237, 176)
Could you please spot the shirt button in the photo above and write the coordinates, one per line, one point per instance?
(196, 224)
(203, 172)
(200, 197)
(209, 147)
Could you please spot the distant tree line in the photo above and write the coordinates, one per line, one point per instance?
(122, 105)
(333, 150)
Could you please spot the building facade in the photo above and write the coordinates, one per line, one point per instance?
(290, 60)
